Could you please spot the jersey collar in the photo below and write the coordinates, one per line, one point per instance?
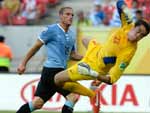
(61, 28)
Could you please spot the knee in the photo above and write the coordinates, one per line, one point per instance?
(38, 103)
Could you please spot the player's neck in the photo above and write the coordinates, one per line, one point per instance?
(64, 26)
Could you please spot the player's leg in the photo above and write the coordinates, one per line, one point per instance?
(24, 109)
(75, 87)
(71, 100)
(37, 102)
(29, 107)
(65, 80)
(45, 90)
(51, 89)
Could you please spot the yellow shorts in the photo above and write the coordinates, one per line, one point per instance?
(90, 58)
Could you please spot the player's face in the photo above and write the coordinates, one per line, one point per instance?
(137, 33)
(67, 17)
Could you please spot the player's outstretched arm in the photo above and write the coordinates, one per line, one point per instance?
(124, 12)
(22, 67)
(76, 56)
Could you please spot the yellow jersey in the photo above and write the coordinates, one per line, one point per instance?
(113, 56)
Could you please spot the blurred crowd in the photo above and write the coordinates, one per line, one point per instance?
(24, 12)
(29, 12)
(105, 13)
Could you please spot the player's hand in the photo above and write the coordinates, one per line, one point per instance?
(21, 69)
(127, 12)
(95, 84)
(85, 69)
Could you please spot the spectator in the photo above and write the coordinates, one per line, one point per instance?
(129, 3)
(42, 8)
(134, 9)
(82, 20)
(108, 8)
(139, 15)
(29, 11)
(5, 55)
(146, 11)
(4, 15)
(13, 6)
(97, 16)
(115, 21)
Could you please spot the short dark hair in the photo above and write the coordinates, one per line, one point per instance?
(138, 11)
(144, 23)
(2, 38)
(61, 11)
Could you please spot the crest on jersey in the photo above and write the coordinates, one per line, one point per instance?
(122, 65)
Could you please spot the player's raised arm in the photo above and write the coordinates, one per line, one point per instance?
(124, 12)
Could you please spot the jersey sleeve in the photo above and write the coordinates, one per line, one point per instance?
(45, 35)
(124, 13)
(121, 64)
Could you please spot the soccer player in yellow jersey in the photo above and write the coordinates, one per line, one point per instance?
(105, 62)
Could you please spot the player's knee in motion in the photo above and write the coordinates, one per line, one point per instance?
(38, 103)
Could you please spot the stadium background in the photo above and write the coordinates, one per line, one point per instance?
(133, 91)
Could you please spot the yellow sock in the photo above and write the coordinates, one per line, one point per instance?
(75, 87)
